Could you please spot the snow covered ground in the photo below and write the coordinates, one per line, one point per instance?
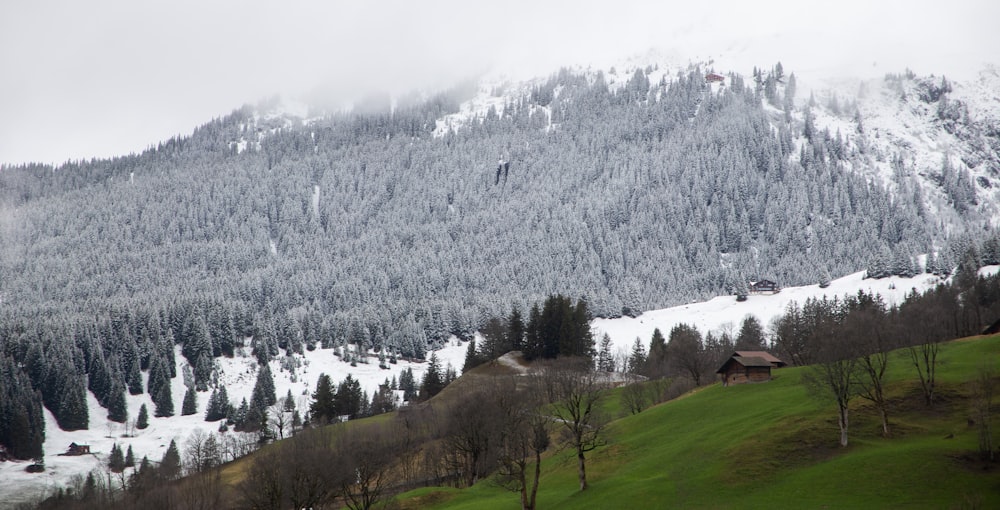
(238, 374)
(725, 313)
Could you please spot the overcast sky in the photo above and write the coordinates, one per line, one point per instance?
(101, 78)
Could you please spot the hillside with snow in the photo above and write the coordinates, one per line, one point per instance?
(296, 373)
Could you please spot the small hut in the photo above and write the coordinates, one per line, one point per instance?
(713, 78)
(77, 449)
(748, 367)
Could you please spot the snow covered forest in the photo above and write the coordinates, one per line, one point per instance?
(380, 229)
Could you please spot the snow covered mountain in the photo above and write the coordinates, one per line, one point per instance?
(387, 225)
(929, 135)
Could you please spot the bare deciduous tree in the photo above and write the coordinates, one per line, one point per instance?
(983, 388)
(575, 392)
(364, 457)
(835, 379)
(635, 395)
(472, 427)
(524, 436)
(864, 328)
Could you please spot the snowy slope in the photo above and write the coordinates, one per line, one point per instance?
(725, 313)
(897, 121)
(237, 374)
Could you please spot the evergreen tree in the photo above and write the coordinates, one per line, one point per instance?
(348, 400)
(73, 412)
(656, 362)
(170, 465)
(751, 336)
(515, 330)
(117, 406)
(322, 409)
(203, 371)
(218, 405)
(22, 429)
(190, 404)
(129, 457)
(263, 391)
(408, 384)
(116, 462)
(432, 383)
(240, 414)
(472, 359)
(142, 421)
(605, 359)
(533, 344)
(164, 401)
(289, 402)
(637, 358)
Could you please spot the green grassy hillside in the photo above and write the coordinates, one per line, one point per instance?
(773, 445)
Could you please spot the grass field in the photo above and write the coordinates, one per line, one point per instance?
(773, 445)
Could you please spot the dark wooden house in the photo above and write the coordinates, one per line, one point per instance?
(764, 287)
(77, 449)
(712, 78)
(992, 329)
(747, 367)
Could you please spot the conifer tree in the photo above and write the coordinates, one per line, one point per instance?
(515, 330)
(408, 384)
(117, 406)
(605, 359)
(73, 411)
(656, 361)
(472, 359)
(22, 429)
(170, 465)
(190, 404)
(322, 409)
(129, 457)
(263, 391)
(164, 401)
(432, 383)
(142, 421)
(637, 358)
(116, 462)
(349, 399)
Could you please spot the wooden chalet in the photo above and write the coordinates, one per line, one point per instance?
(992, 329)
(713, 78)
(748, 367)
(77, 449)
(764, 287)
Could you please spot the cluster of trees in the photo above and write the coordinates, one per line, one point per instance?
(846, 341)
(559, 327)
(498, 428)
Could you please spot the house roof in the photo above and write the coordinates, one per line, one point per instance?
(759, 354)
(746, 361)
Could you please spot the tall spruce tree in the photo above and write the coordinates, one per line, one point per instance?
(433, 382)
(190, 404)
(142, 421)
(322, 407)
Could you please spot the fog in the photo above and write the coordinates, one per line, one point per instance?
(96, 79)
